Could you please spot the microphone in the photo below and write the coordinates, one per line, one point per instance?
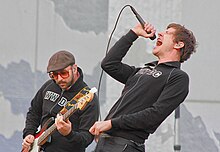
(139, 18)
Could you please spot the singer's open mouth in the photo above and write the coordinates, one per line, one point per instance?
(159, 43)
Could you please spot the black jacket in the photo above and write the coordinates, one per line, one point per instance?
(150, 93)
(42, 109)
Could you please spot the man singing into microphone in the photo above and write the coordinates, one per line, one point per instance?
(150, 94)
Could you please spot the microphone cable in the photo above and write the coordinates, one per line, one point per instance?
(107, 49)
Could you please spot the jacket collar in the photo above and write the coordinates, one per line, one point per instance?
(175, 64)
(78, 84)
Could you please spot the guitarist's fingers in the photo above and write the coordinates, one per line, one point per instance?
(25, 149)
(59, 117)
(64, 127)
(59, 120)
(68, 122)
(27, 141)
(30, 138)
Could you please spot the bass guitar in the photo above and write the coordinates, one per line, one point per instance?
(42, 137)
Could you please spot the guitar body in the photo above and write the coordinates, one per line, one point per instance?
(35, 147)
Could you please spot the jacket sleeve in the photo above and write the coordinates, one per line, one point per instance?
(112, 64)
(149, 119)
(34, 114)
(88, 117)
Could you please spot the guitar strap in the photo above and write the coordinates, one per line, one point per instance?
(75, 99)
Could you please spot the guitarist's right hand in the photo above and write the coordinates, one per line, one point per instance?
(27, 142)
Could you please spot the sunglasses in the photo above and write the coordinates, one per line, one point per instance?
(64, 74)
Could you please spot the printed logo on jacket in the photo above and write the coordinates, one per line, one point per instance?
(150, 71)
(52, 96)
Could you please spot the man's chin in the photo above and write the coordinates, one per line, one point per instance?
(62, 86)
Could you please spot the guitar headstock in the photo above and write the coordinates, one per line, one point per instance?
(85, 99)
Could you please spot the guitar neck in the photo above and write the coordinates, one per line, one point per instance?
(70, 112)
(42, 139)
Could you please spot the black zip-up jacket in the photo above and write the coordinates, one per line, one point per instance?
(41, 110)
(150, 93)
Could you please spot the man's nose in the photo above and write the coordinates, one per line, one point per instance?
(59, 77)
(160, 34)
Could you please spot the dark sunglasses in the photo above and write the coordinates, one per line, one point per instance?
(64, 74)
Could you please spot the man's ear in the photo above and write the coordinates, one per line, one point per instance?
(74, 68)
(179, 45)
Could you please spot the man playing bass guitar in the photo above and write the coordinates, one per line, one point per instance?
(70, 134)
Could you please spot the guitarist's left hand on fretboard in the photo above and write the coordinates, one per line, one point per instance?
(63, 127)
